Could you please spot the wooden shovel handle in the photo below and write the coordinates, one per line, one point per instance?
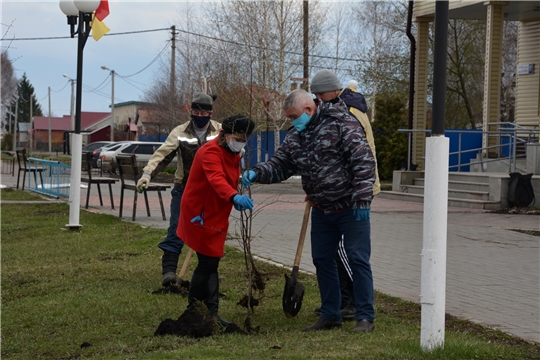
(185, 264)
(303, 231)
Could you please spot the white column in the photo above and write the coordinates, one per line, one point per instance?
(75, 183)
(433, 276)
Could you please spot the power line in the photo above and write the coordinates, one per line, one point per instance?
(194, 34)
(69, 37)
(151, 62)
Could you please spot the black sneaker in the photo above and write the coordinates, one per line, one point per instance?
(323, 324)
(364, 326)
(348, 312)
(317, 311)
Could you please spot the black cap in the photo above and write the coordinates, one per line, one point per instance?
(238, 124)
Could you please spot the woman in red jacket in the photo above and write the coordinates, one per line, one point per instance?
(209, 195)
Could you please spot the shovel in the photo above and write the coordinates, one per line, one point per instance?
(180, 277)
(294, 291)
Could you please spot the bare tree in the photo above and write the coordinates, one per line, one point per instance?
(384, 48)
(259, 51)
(9, 81)
(339, 33)
(466, 45)
(509, 65)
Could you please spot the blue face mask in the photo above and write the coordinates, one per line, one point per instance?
(301, 122)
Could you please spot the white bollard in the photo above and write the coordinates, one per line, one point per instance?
(75, 182)
(433, 276)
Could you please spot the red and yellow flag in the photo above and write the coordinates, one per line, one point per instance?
(98, 26)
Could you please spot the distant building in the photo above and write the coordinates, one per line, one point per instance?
(61, 127)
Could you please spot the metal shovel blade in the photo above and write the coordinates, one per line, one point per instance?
(293, 294)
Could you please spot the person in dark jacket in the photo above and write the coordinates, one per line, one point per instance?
(356, 103)
(328, 147)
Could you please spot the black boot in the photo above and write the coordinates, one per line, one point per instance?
(212, 300)
(198, 289)
(169, 263)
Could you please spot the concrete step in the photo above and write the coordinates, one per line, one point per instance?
(452, 202)
(469, 177)
(452, 193)
(458, 185)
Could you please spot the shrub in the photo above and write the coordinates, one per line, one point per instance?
(390, 144)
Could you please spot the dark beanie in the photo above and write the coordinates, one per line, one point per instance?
(201, 101)
(238, 124)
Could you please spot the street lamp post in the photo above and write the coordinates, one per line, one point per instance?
(112, 100)
(82, 11)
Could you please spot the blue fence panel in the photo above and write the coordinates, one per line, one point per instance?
(267, 146)
(470, 139)
(153, 137)
(51, 178)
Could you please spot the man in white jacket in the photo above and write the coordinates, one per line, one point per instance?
(183, 142)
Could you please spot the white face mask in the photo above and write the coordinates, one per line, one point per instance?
(236, 146)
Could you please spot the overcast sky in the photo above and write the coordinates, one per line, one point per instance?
(46, 60)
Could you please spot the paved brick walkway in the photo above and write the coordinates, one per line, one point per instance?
(493, 273)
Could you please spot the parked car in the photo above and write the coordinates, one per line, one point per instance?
(142, 149)
(96, 154)
(95, 145)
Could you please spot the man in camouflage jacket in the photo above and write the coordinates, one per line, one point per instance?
(328, 147)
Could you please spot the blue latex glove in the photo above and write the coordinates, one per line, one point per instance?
(248, 178)
(198, 218)
(244, 202)
(361, 214)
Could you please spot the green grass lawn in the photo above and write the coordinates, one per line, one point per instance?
(62, 289)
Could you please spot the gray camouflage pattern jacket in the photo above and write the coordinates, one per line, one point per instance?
(333, 157)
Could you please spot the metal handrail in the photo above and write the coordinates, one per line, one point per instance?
(510, 133)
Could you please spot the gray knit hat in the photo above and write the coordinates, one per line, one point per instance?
(201, 101)
(325, 80)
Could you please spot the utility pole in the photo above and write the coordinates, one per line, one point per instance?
(103, 67)
(173, 60)
(172, 85)
(50, 135)
(31, 123)
(16, 130)
(72, 104)
(9, 126)
(306, 45)
(112, 107)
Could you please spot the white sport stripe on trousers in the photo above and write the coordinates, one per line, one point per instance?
(343, 256)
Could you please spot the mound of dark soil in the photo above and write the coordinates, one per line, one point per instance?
(196, 322)
(181, 288)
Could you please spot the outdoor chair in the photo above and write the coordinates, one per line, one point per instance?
(24, 168)
(129, 175)
(86, 170)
